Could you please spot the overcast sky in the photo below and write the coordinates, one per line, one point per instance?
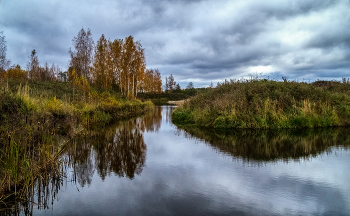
(195, 40)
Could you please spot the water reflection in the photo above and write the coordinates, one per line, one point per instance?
(269, 145)
(118, 149)
(151, 122)
(168, 110)
(123, 152)
(42, 195)
(140, 167)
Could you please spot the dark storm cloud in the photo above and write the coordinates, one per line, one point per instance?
(194, 40)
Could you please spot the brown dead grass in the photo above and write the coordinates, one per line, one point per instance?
(177, 103)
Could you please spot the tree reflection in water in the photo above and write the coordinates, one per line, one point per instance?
(150, 122)
(123, 153)
(168, 111)
(118, 148)
(271, 145)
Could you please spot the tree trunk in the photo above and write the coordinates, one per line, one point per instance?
(133, 84)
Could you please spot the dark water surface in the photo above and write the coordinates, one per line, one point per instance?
(148, 166)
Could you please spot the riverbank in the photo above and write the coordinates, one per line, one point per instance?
(36, 118)
(162, 98)
(268, 104)
(112, 168)
(177, 103)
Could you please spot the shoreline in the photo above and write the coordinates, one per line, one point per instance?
(177, 103)
(266, 104)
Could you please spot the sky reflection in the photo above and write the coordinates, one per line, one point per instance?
(188, 176)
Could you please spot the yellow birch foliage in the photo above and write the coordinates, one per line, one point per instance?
(101, 73)
(122, 63)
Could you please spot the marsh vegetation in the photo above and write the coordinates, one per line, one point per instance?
(268, 104)
(38, 117)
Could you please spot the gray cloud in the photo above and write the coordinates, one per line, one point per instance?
(198, 40)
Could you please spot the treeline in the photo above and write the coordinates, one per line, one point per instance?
(172, 92)
(109, 65)
(172, 87)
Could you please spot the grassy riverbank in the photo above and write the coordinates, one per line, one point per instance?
(268, 104)
(37, 118)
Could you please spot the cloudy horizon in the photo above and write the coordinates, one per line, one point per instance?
(201, 41)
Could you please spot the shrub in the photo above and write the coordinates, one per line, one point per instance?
(182, 116)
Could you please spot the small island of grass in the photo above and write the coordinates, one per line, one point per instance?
(268, 104)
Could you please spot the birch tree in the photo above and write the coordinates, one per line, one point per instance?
(116, 53)
(82, 55)
(102, 70)
(4, 62)
(33, 66)
(171, 83)
(127, 61)
(152, 81)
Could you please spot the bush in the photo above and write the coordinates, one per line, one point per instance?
(182, 116)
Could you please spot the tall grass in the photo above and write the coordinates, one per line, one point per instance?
(61, 101)
(268, 104)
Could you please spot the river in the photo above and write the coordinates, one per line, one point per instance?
(148, 166)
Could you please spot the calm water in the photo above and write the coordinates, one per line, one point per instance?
(148, 166)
